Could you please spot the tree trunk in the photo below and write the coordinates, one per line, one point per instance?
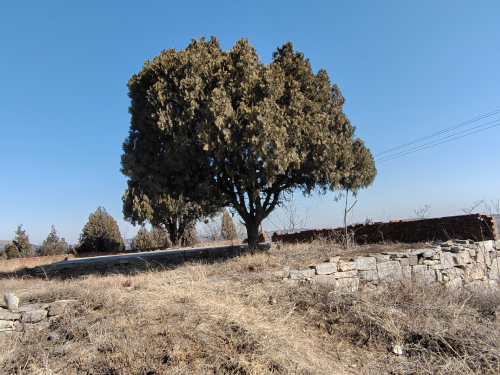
(253, 233)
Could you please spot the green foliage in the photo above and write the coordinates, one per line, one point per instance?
(213, 128)
(228, 229)
(20, 246)
(53, 245)
(101, 233)
(143, 240)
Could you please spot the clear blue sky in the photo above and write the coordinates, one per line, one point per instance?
(406, 69)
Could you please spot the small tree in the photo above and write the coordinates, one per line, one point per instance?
(144, 239)
(228, 229)
(101, 233)
(53, 245)
(20, 246)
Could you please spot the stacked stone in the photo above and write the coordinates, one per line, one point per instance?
(452, 263)
(35, 316)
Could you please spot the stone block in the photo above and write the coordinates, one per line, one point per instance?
(346, 266)
(447, 260)
(462, 258)
(475, 271)
(425, 277)
(301, 274)
(486, 245)
(365, 263)
(342, 275)
(404, 262)
(389, 271)
(369, 275)
(456, 249)
(6, 325)
(406, 271)
(334, 259)
(430, 262)
(324, 280)
(472, 253)
(493, 270)
(7, 315)
(349, 285)
(11, 301)
(31, 307)
(59, 307)
(413, 260)
(325, 268)
(453, 272)
(419, 268)
(483, 257)
(381, 258)
(33, 316)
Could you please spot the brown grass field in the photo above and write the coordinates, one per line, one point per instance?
(236, 316)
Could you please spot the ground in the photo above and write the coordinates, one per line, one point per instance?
(236, 316)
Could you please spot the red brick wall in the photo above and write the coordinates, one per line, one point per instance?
(476, 227)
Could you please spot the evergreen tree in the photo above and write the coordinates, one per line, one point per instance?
(228, 229)
(161, 237)
(101, 233)
(20, 246)
(53, 245)
(222, 129)
(144, 239)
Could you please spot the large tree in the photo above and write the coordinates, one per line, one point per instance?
(222, 129)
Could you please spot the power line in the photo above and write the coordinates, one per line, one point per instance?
(423, 148)
(441, 132)
(437, 140)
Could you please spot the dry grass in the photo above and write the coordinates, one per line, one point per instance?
(220, 318)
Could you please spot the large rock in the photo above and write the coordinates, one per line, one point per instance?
(483, 257)
(7, 315)
(34, 316)
(325, 268)
(389, 271)
(11, 301)
(381, 258)
(475, 271)
(365, 263)
(324, 280)
(349, 285)
(406, 271)
(59, 307)
(419, 268)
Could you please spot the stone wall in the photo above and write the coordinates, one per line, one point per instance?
(479, 227)
(12, 265)
(454, 264)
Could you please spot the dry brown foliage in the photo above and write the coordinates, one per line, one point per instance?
(236, 316)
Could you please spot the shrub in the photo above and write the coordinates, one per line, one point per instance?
(162, 239)
(190, 237)
(101, 233)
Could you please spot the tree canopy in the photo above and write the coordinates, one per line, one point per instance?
(219, 128)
